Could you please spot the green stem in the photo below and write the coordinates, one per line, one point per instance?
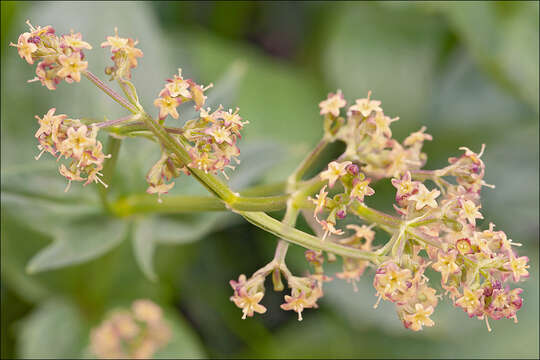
(308, 161)
(291, 214)
(303, 239)
(375, 216)
(113, 94)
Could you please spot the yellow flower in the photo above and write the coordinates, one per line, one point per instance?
(72, 66)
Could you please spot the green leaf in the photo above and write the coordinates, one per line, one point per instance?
(503, 38)
(80, 241)
(390, 50)
(47, 216)
(53, 330)
(184, 343)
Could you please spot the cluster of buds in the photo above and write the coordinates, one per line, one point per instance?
(177, 91)
(60, 58)
(407, 287)
(135, 333)
(355, 188)
(361, 239)
(305, 291)
(367, 135)
(124, 55)
(213, 138)
(61, 136)
(163, 170)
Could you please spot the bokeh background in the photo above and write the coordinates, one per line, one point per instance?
(469, 71)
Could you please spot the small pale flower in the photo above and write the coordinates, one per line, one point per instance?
(417, 137)
(167, 106)
(320, 200)
(77, 141)
(115, 42)
(72, 66)
(361, 189)
(249, 303)
(178, 86)
(25, 47)
(518, 266)
(48, 122)
(470, 211)
(366, 106)
(470, 301)
(332, 104)
(424, 197)
(419, 318)
(334, 172)
(446, 265)
(75, 41)
(296, 303)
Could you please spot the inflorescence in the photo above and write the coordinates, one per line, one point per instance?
(436, 211)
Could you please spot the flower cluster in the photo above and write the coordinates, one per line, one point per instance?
(211, 138)
(177, 91)
(61, 136)
(305, 291)
(136, 333)
(61, 58)
(124, 55)
(366, 132)
(355, 186)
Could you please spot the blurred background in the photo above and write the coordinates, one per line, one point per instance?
(469, 71)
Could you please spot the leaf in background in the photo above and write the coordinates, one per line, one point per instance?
(503, 38)
(184, 343)
(78, 242)
(52, 331)
(389, 50)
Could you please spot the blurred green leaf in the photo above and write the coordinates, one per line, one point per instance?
(503, 38)
(80, 241)
(52, 331)
(184, 343)
(390, 50)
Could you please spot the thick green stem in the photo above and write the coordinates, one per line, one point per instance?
(374, 216)
(303, 239)
(291, 214)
